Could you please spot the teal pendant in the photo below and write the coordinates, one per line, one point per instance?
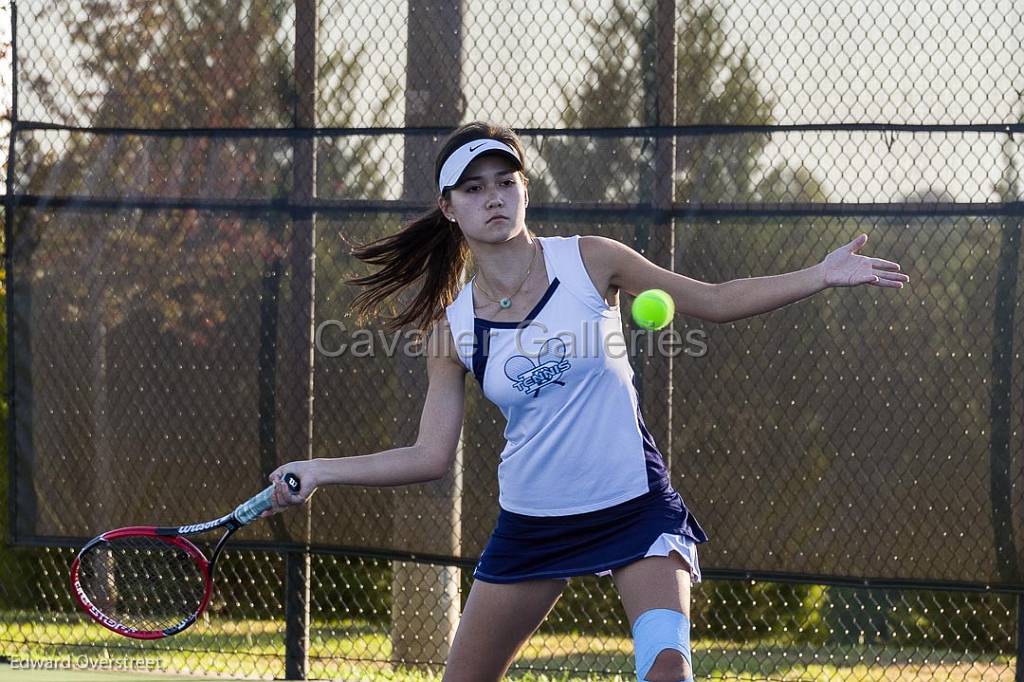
(505, 303)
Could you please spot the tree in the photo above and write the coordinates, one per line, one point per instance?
(594, 169)
(185, 285)
(233, 71)
(715, 87)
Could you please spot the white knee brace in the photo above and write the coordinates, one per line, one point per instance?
(657, 630)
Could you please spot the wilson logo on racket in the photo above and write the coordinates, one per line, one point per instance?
(551, 365)
(202, 527)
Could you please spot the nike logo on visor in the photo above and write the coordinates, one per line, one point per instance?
(473, 149)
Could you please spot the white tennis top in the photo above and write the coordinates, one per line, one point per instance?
(575, 439)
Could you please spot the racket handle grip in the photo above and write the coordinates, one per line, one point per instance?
(250, 510)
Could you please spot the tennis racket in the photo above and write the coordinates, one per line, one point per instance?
(149, 582)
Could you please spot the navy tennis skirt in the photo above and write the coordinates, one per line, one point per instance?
(537, 547)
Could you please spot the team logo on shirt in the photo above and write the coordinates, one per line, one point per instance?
(550, 366)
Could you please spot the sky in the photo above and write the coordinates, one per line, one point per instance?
(906, 62)
(833, 62)
(819, 62)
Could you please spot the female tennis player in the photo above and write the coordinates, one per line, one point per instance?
(583, 488)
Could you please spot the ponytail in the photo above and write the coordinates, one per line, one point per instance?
(429, 247)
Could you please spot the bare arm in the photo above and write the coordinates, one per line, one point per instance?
(740, 298)
(425, 460)
(628, 270)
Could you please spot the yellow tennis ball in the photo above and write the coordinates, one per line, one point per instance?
(653, 309)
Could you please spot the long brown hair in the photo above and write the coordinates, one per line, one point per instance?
(429, 247)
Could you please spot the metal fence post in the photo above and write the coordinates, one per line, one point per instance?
(298, 396)
(658, 239)
(1019, 676)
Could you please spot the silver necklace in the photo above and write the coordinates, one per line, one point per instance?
(506, 302)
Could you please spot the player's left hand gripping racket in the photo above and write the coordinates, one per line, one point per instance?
(149, 582)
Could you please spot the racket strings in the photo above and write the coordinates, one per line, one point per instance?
(142, 582)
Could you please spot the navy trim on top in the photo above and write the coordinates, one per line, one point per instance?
(529, 317)
(657, 474)
(480, 352)
(482, 338)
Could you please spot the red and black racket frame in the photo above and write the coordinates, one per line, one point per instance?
(172, 535)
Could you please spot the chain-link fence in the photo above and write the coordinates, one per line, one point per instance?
(186, 181)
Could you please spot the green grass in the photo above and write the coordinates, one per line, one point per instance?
(353, 650)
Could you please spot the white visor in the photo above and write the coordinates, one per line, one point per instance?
(456, 163)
